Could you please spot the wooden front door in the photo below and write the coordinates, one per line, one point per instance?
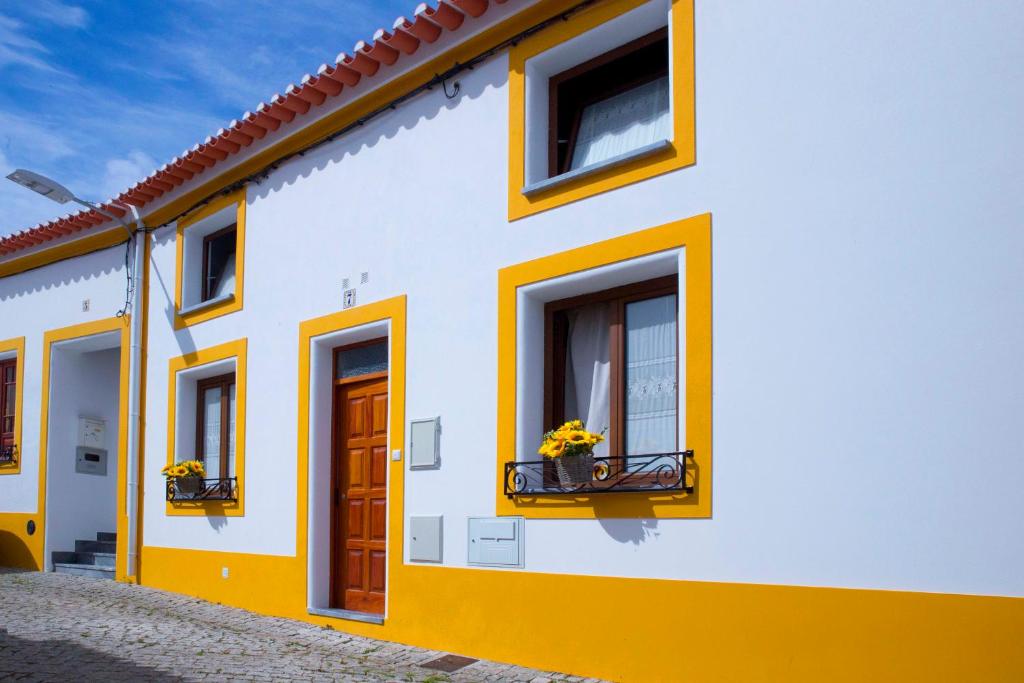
(360, 495)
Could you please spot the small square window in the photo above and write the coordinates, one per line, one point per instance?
(609, 106)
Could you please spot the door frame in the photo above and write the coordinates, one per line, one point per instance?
(317, 338)
(336, 471)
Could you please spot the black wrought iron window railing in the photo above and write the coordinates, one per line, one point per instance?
(191, 489)
(614, 474)
(8, 454)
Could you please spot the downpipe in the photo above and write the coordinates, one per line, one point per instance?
(134, 396)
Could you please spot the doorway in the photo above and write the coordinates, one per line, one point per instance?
(359, 478)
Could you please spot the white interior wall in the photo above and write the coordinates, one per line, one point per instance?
(860, 165)
(82, 384)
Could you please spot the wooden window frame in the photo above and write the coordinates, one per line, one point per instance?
(224, 382)
(205, 293)
(611, 90)
(8, 438)
(556, 342)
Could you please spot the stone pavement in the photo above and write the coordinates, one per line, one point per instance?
(55, 627)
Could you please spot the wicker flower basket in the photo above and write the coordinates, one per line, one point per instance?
(575, 469)
(190, 485)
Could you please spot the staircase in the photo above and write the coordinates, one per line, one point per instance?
(90, 558)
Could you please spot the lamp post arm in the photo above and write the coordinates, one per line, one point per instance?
(123, 222)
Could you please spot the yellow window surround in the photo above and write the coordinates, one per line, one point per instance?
(236, 351)
(193, 315)
(693, 236)
(678, 153)
(17, 346)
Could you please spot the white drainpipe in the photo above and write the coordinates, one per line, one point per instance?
(134, 397)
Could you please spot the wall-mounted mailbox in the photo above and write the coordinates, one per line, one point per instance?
(425, 443)
(425, 538)
(496, 541)
(91, 460)
(92, 432)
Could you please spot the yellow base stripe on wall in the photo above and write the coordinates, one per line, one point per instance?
(645, 629)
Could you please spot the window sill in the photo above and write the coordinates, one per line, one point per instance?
(626, 157)
(346, 614)
(203, 305)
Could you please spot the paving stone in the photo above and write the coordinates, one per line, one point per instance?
(58, 627)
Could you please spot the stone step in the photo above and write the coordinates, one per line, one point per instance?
(89, 570)
(92, 559)
(106, 536)
(95, 547)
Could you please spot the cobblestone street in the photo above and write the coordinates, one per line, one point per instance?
(55, 627)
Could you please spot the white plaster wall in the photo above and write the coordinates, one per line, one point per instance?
(30, 304)
(79, 505)
(861, 164)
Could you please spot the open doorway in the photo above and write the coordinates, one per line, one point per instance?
(83, 454)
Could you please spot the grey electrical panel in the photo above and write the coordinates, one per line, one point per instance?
(91, 460)
(425, 538)
(496, 541)
(425, 443)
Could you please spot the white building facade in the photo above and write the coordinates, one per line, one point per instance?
(771, 250)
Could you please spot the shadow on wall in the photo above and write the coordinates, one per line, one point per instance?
(63, 660)
(89, 267)
(14, 553)
(386, 126)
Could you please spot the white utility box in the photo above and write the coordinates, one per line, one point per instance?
(425, 538)
(496, 541)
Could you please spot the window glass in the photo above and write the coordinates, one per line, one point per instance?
(211, 431)
(619, 124)
(7, 399)
(231, 430)
(219, 264)
(362, 360)
(650, 376)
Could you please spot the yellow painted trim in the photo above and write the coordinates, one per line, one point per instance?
(64, 250)
(238, 351)
(233, 304)
(140, 489)
(682, 153)
(122, 325)
(747, 632)
(392, 310)
(372, 100)
(695, 235)
(18, 346)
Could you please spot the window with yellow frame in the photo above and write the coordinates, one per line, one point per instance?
(210, 260)
(600, 101)
(12, 376)
(206, 407)
(640, 302)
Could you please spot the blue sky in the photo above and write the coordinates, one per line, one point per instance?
(98, 93)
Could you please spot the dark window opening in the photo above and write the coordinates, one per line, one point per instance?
(8, 401)
(219, 263)
(609, 105)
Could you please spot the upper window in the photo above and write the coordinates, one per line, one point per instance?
(599, 101)
(210, 246)
(219, 263)
(612, 362)
(609, 106)
(215, 425)
(8, 403)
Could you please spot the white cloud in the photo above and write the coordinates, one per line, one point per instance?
(18, 49)
(21, 208)
(120, 174)
(58, 13)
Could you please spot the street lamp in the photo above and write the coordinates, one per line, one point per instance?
(51, 189)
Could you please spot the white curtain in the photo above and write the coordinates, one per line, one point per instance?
(211, 432)
(226, 281)
(640, 116)
(588, 370)
(651, 385)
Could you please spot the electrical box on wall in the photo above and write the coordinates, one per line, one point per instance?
(425, 443)
(92, 432)
(496, 541)
(91, 460)
(425, 538)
